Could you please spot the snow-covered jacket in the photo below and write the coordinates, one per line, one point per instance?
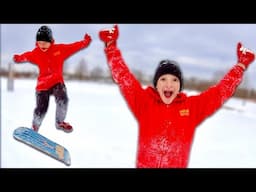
(51, 62)
(166, 131)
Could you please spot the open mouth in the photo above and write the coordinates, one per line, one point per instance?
(168, 94)
(44, 49)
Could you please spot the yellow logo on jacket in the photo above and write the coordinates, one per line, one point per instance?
(184, 112)
(56, 53)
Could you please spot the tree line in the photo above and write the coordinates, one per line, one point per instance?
(99, 74)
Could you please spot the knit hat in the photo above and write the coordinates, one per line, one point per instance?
(44, 33)
(168, 67)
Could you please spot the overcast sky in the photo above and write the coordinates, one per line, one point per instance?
(201, 49)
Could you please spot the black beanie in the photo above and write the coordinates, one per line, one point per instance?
(168, 67)
(44, 33)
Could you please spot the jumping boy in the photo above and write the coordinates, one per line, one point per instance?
(50, 57)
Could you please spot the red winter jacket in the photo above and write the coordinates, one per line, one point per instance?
(51, 62)
(166, 131)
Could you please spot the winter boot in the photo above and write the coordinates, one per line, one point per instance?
(64, 126)
(35, 128)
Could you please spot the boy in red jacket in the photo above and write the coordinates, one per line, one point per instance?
(50, 57)
(167, 118)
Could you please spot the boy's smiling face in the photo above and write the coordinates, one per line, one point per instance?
(43, 45)
(168, 87)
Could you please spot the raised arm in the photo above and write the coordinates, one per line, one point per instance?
(71, 48)
(24, 57)
(214, 97)
(129, 86)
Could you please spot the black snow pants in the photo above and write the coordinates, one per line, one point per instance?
(59, 91)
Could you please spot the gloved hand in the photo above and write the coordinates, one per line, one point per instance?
(245, 56)
(109, 36)
(18, 58)
(87, 39)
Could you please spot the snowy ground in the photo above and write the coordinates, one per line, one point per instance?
(105, 132)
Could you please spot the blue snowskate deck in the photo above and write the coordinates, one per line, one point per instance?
(43, 144)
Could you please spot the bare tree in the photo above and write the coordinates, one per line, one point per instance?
(97, 73)
(82, 71)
